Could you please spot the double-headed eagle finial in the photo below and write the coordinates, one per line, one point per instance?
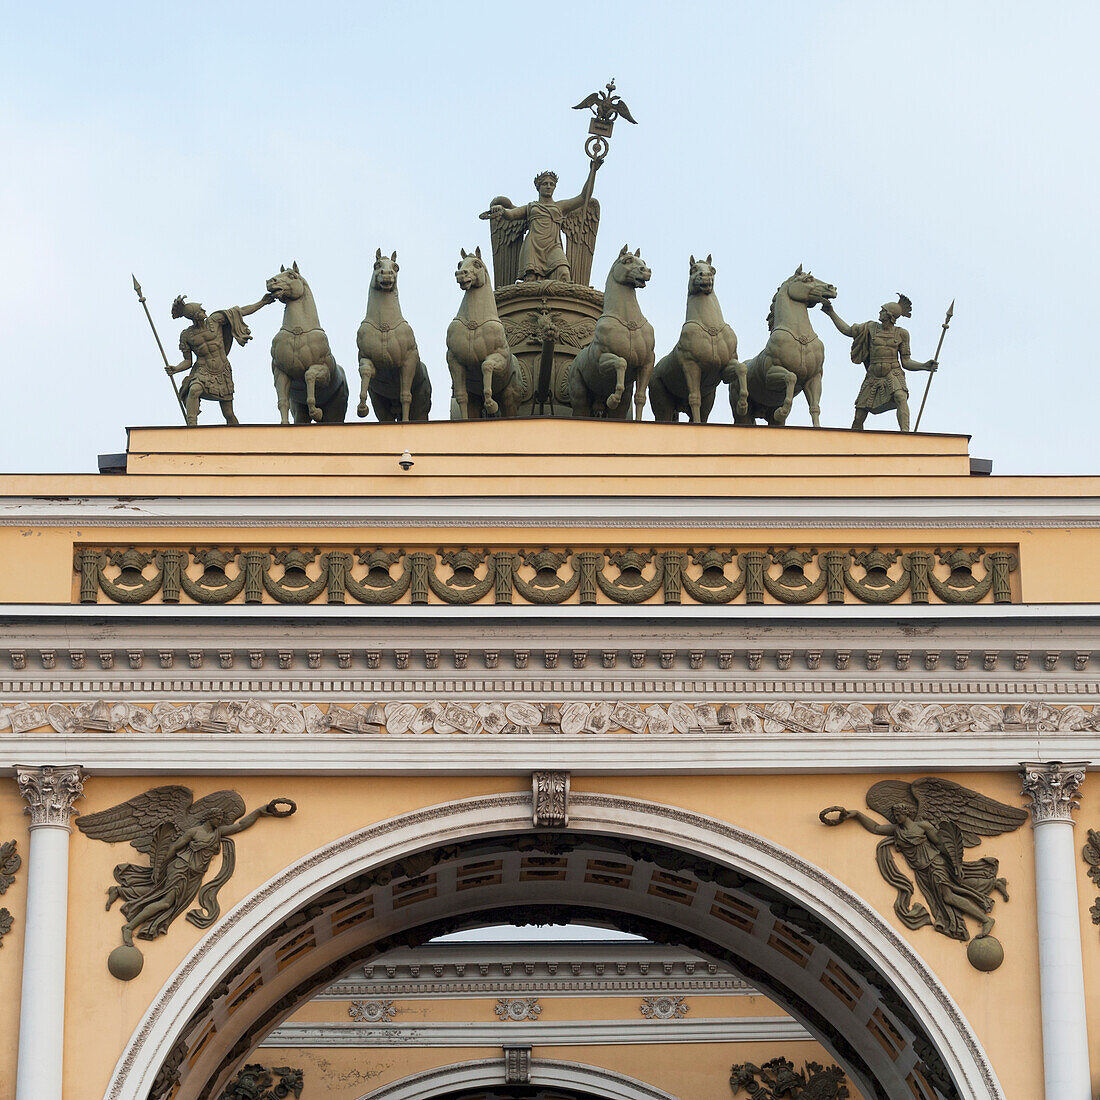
(606, 106)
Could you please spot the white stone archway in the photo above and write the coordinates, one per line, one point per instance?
(489, 1073)
(598, 814)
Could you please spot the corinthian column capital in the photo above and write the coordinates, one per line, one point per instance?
(1052, 788)
(50, 792)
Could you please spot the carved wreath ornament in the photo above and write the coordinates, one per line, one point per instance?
(709, 575)
(518, 1009)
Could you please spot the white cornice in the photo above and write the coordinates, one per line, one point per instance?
(666, 513)
(433, 754)
(745, 1029)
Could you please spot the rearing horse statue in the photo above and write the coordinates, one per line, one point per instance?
(307, 377)
(390, 369)
(620, 357)
(485, 376)
(686, 379)
(792, 359)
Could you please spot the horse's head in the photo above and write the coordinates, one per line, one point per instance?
(701, 276)
(630, 269)
(288, 285)
(385, 271)
(807, 288)
(471, 272)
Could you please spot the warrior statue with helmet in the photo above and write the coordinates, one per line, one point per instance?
(882, 347)
(205, 348)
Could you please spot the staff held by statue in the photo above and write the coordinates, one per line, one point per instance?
(935, 359)
(605, 108)
(141, 298)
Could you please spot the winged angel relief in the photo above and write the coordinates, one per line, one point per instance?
(929, 823)
(181, 837)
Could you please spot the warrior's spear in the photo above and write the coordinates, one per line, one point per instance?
(141, 298)
(936, 359)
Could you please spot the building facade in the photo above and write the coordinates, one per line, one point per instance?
(632, 675)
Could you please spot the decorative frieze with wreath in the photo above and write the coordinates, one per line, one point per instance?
(664, 1008)
(574, 718)
(518, 1009)
(547, 575)
(380, 1011)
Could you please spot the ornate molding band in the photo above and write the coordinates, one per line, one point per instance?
(50, 793)
(259, 717)
(1052, 788)
(543, 576)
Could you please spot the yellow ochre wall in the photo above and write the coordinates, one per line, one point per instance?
(101, 1013)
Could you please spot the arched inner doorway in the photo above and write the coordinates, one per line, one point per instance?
(672, 876)
(550, 1079)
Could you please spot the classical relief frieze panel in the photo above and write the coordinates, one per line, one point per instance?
(259, 717)
(929, 823)
(544, 575)
(256, 1082)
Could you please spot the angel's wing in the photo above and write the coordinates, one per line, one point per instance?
(882, 797)
(953, 843)
(580, 228)
(228, 805)
(940, 800)
(139, 819)
(507, 238)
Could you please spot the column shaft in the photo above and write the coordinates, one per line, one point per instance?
(42, 1004)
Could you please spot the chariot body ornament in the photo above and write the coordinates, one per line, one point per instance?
(930, 822)
(181, 836)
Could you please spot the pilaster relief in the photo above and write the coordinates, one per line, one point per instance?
(10, 862)
(1052, 788)
(544, 575)
(550, 795)
(50, 793)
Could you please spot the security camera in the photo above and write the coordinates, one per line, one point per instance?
(405, 461)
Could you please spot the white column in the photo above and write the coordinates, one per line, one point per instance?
(50, 793)
(1052, 788)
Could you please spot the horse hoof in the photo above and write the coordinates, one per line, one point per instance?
(491, 406)
(613, 401)
(316, 413)
(742, 407)
(362, 410)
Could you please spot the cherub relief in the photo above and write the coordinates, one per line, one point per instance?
(181, 838)
(930, 822)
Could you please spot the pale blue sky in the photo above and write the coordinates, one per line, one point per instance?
(941, 149)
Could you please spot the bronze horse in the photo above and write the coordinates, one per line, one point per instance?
(307, 377)
(390, 370)
(792, 359)
(620, 357)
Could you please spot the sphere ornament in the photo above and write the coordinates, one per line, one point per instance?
(125, 962)
(985, 953)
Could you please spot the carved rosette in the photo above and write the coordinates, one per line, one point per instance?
(50, 793)
(373, 1012)
(663, 1008)
(518, 1009)
(550, 794)
(1052, 788)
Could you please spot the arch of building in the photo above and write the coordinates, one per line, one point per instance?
(666, 873)
(548, 1079)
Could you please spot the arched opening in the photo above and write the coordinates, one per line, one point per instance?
(670, 875)
(549, 1080)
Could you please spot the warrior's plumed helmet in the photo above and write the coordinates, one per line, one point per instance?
(901, 308)
(546, 175)
(181, 307)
